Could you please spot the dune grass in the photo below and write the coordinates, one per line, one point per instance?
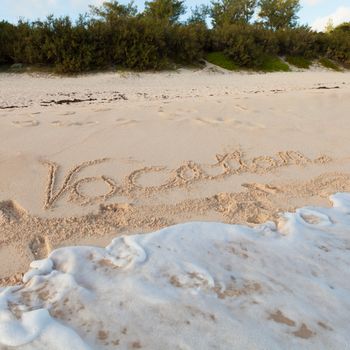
(268, 63)
(325, 62)
(221, 60)
(299, 62)
(273, 64)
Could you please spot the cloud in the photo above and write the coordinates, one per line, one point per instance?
(340, 15)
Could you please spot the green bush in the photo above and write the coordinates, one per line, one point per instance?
(325, 62)
(244, 44)
(299, 62)
(272, 64)
(7, 38)
(186, 44)
(221, 60)
(116, 35)
(139, 46)
(338, 46)
(344, 27)
(300, 41)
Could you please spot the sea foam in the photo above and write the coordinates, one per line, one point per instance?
(193, 286)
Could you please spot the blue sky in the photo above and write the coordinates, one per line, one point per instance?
(316, 13)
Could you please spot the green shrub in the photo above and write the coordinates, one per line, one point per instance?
(343, 27)
(186, 44)
(325, 62)
(299, 41)
(338, 46)
(244, 44)
(139, 46)
(7, 38)
(299, 62)
(221, 60)
(117, 35)
(272, 64)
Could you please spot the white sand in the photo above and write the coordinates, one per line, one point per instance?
(161, 149)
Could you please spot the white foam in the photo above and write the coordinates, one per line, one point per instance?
(39, 267)
(193, 286)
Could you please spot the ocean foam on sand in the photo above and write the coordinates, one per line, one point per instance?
(193, 286)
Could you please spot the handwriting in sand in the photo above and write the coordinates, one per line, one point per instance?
(188, 173)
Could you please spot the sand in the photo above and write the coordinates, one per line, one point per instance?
(84, 159)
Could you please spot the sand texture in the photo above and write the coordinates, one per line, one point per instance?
(84, 159)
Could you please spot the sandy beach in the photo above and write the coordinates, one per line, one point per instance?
(175, 175)
(85, 159)
(192, 209)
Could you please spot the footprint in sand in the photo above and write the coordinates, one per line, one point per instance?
(184, 112)
(82, 123)
(201, 121)
(160, 110)
(60, 123)
(247, 125)
(102, 109)
(241, 108)
(40, 247)
(187, 111)
(67, 113)
(56, 123)
(177, 113)
(25, 123)
(229, 122)
(165, 115)
(124, 122)
(10, 211)
(213, 122)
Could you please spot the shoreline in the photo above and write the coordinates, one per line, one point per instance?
(232, 279)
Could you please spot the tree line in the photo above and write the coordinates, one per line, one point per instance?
(120, 36)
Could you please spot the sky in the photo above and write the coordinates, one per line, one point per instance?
(315, 13)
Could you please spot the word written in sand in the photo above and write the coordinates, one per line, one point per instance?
(190, 172)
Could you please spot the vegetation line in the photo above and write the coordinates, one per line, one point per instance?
(119, 36)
